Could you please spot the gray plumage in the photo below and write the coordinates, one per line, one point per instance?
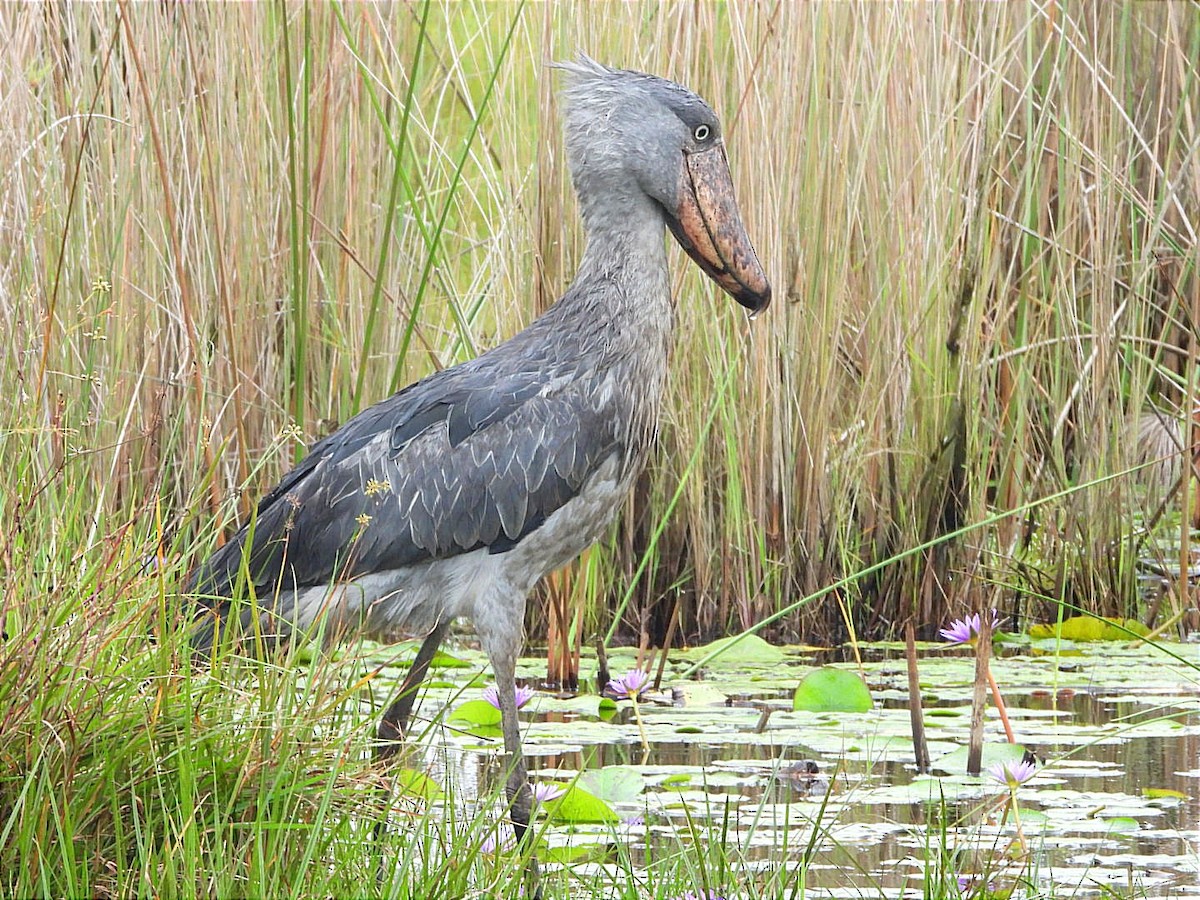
(455, 495)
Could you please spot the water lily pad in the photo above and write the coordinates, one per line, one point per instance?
(955, 762)
(574, 853)
(1163, 794)
(832, 690)
(476, 712)
(1090, 628)
(412, 783)
(615, 784)
(578, 806)
(748, 648)
(1122, 824)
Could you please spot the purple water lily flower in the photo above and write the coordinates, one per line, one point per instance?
(492, 695)
(631, 684)
(545, 791)
(496, 843)
(1012, 774)
(700, 895)
(966, 631)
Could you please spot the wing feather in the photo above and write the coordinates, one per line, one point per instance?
(466, 460)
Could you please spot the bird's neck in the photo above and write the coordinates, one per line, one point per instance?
(625, 260)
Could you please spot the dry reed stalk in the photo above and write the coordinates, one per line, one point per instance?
(880, 152)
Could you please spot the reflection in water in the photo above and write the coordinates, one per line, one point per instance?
(769, 793)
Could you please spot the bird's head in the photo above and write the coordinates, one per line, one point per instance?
(628, 129)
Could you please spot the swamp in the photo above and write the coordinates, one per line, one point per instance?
(945, 485)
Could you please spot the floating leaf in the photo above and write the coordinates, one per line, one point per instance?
(1122, 824)
(739, 649)
(577, 806)
(1090, 628)
(1163, 794)
(412, 783)
(574, 853)
(476, 712)
(828, 689)
(615, 784)
(955, 762)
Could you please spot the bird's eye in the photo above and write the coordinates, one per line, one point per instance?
(702, 133)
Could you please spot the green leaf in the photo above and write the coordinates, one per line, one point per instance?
(614, 784)
(577, 806)
(1090, 628)
(1163, 794)
(576, 853)
(417, 784)
(748, 649)
(828, 689)
(1122, 825)
(955, 762)
(476, 712)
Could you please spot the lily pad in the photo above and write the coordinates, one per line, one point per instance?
(1163, 794)
(578, 806)
(749, 648)
(614, 784)
(1090, 628)
(955, 762)
(476, 712)
(574, 853)
(832, 690)
(412, 783)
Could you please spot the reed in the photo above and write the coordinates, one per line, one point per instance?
(232, 228)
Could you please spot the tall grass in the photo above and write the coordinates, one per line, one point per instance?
(224, 229)
(980, 222)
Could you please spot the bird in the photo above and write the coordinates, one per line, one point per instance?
(454, 496)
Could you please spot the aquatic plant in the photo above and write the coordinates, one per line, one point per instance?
(524, 695)
(545, 791)
(967, 631)
(1013, 774)
(631, 685)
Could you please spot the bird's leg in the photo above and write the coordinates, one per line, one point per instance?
(516, 787)
(394, 722)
